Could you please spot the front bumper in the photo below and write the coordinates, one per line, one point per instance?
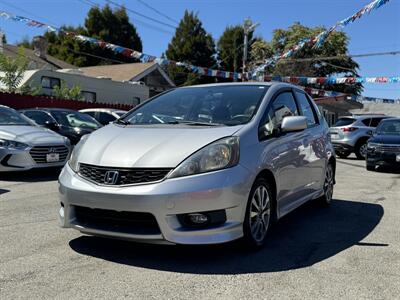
(21, 160)
(225, 190)
(383, 158)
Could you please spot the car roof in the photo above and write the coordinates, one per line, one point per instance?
(258, 83)
(49, 109)
(103, 109)
(391, 119)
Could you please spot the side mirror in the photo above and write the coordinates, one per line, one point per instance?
(294, 123)
(51, 125)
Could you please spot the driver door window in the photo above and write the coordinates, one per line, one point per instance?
(282, 106)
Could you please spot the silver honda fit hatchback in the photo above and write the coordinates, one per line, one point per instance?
(200, 165)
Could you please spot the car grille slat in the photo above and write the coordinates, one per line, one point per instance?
(389, 148)
(126, 176)
(39, 153)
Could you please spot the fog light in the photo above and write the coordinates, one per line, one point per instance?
(61, 212)
(198, 218)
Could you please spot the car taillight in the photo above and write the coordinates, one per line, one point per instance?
(349, 129)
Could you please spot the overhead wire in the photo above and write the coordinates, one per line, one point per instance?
(157, 11)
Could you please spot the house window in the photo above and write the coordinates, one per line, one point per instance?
(89, 96)
(50, 82)
(136, 101)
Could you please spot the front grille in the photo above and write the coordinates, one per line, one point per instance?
(116, 221)
(389, 148)
(125, 176)
(39, 153)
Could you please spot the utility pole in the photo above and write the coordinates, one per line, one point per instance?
(248, 27)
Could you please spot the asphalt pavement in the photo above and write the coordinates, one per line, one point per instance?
(350, 250)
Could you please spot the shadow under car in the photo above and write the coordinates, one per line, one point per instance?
(304, 237)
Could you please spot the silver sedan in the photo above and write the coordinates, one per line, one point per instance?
(200, 165)
(24, 145)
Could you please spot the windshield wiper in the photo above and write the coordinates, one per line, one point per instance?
(193, 123)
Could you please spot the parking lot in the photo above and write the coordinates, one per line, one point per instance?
(350, 250)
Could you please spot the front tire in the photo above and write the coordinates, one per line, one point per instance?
(370, 167)
(259, 214)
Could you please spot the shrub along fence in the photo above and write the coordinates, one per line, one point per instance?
(18, 101)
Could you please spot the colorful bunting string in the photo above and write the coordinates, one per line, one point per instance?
(318, 40)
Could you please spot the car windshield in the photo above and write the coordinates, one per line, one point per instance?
(344, 122)
(391, 127)
(11, 117)
(209, 105)
(120, 113)
(75, 119)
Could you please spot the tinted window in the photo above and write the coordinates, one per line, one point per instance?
(366, 122)
(39, 117)
(391, 127)
(105, 118)
(228, 105)
(375, 122)
(91, 113)
(284, 105)
(74, 119)
(344, 122)
(306, 108)
(11, 117)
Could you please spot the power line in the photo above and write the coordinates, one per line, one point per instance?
(157, 11)
(141, 15)
(156, 28)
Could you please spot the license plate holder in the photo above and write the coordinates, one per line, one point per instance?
(52, 157)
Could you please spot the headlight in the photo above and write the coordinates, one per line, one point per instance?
(221, 154)
(73, 160)
(13, 145)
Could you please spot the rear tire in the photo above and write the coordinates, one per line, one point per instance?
(329, 182)
(361, 149)
(259, 216)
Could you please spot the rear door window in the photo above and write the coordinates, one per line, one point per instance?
(366, 122)
(344, 122)
(39, 117)
(375, 122)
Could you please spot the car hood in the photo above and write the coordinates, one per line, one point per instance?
(148, 146)
(385, 139)
(30, 135)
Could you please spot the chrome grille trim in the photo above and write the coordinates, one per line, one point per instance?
(388, 148)
(38, 153)
(126, 176)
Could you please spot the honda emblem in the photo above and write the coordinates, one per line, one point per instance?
(111, 177)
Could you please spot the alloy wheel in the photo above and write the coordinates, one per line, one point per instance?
(328, 184)
(260, 213)
(363, 150)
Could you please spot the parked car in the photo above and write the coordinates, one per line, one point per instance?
(67, 122)
(384, 147)
(24, 146)
(104, 115)
(200, 165)
(350, 134)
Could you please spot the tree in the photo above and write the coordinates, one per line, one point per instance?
(335, 45)
(101, 23)
(13, 70)
(65, 92)
(190, 44)
(230, 48)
